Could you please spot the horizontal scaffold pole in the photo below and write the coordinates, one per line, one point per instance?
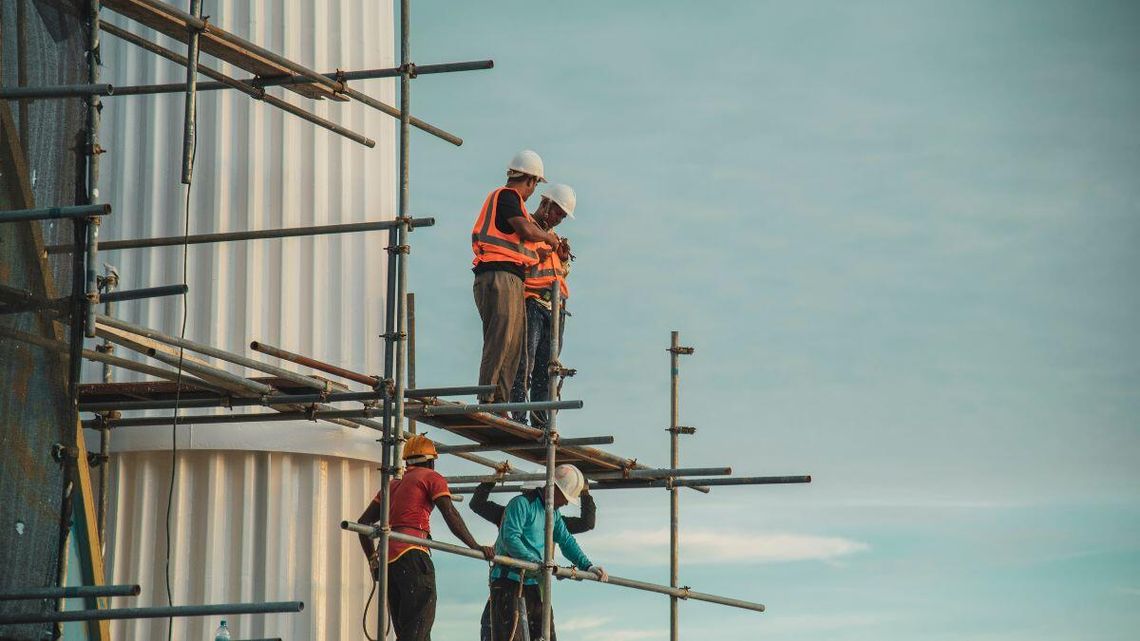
(565, 573)
(262, 234)
(104, 89)
(99, 357)
(650, 474)
(569, 442)
(310, 414)
(273, 399)
(54, 213)
(328, 368)
(444, 410)
(144, 292)
(160, 612)
(651, 483)
(257, 93)
(313, 77)
(72, 592)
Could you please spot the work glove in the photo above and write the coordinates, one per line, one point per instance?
(603, 576)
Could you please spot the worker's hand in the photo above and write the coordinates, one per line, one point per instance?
(488, 552)
(564, 249)
(585, 490)
(601, 572)
(543, 251)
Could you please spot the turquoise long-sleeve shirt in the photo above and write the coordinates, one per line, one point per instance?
(522, 536)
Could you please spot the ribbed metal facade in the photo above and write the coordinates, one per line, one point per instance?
(256, 508)
(248, 526)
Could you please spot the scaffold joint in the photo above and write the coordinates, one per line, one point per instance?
(680, 350)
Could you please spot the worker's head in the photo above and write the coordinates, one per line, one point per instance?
(419, 450)
(568, 484)
(557, 204)
(524, 172)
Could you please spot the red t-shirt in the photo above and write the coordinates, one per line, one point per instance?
(412, 500)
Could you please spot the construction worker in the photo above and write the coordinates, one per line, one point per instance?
(522, 536)
(557, 204)
(493, 512)
(411, 574)
(505, 241)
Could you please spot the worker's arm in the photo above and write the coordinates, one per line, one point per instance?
(527, 230)
(511, 532)
(569, 546)
(482, 505)
(585, 522)
(370, 515)
(458, 527)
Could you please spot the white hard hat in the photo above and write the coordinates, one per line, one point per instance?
(529, 163)
(563, 196)
(570, 480)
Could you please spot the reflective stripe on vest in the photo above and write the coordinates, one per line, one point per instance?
(491, 245)
(541, 276)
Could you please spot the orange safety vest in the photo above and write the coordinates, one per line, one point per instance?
(541, 276)
(491, 245)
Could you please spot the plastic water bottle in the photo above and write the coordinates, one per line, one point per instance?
(222, 633)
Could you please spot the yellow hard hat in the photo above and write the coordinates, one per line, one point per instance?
(419, 448)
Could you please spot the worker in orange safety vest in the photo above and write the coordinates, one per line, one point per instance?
(533, 375)
(506, 242)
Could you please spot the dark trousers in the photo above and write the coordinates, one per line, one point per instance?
(411, 596)
(499, 299)
(533, 371)
(504, 596)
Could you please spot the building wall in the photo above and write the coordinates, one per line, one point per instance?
(248, 526)
(256, 508)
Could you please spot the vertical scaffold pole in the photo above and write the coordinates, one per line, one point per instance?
(190, 116)
(395, 337)
(402, 248)
(551, 441)
(93, 151)
(110, 282)
(675, 351)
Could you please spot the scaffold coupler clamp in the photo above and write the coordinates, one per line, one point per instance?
(409, 68)
(681, 429)
(679, 350)
(686, 589)
(502, 469)
(399, 249)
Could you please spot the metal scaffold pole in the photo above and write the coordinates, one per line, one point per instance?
(395, 337)
(189, 134)
(571, 573)
(551, 447)
(675, 430)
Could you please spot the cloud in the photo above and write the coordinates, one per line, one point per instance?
(582, 623)
(626, 634)
(721, 546)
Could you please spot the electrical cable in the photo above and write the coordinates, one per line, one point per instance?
(174, 419)
(364, 617)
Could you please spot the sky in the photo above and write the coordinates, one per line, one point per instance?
(901, 237)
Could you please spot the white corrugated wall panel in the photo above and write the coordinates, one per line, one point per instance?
(256, 510)
(257, 168)
(249, 526)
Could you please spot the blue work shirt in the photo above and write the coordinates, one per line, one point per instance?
(522, 536)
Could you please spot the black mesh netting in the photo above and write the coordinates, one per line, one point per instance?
(41, 154)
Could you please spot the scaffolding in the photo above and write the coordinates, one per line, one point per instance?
(186, 381)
